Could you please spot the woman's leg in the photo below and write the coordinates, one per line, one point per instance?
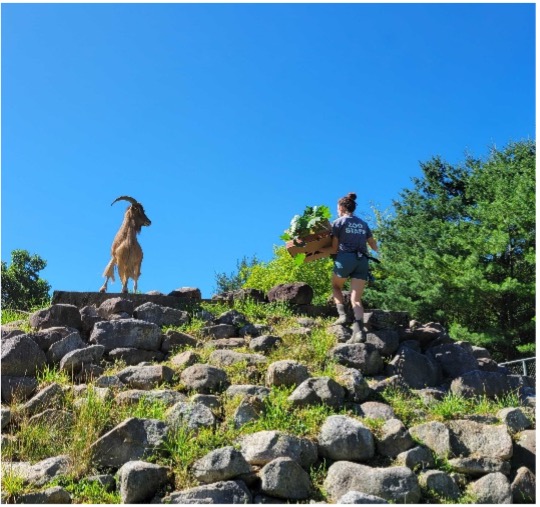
(357, 290)
(337, 292)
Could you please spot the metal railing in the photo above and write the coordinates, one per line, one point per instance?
(522, 366)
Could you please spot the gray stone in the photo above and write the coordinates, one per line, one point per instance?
(286, 373)
(515, 419)
(253, 330)
(219, 331)
(417, 458)
(186, 293)
(17, 388)
(40, 473)
(21, 357)
(395, 484)
(377, 410)
(480, 352)
(226, 343)
(126, 333)
(264, 446)
(89, 316)
(296, 293)
(424, 334)
(476, 467)
(139, 481)
(184, 359)
(167, 397)
(208, 400)
(394, 439)
(356, 386)
(131, 440)
(382, 319)
(454, 360)
(525, 450)
(492, 489)
(46, 338)
(342, 438)
(439, 483)
(317, 390)
(356, 497)
(230, 357)
(191, 415)
(146, 377)
(469, 438)
(161, 315)
(264, 343)
(435, 436)
(114, 306)
(232, 318)
(46, 398)
(417, 370)
(220, 465)
(109, 381)
(75, 361)
(480, 383)
(62, 347)
(247, 390)
(524, 486)
(54, 495)
(285, 478)
(223, 492)
(133, 357)
(106, 481)
(56, 315)
(5, 416)
(250, 409)
(204, 379)
(53, 417)
(173, 340)
(386, 341)
(362, 356)
(342, 333)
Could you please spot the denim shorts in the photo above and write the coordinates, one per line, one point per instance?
(348, 265)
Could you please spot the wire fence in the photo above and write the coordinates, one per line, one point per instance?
(522, 367)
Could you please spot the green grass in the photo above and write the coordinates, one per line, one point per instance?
(13, 485)
(87, 492)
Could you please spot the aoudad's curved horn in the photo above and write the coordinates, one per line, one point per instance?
(125, 198)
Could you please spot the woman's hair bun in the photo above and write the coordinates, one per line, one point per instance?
(352, 196)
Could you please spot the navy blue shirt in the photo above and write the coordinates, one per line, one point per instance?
(352, 233)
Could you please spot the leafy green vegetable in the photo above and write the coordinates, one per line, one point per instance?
(314, 219)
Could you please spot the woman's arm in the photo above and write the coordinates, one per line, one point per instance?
(373, 244)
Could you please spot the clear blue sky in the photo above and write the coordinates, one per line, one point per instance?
(225, 120)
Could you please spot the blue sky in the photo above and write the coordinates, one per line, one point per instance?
(225, 120)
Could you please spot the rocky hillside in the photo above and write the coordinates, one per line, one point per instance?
(255, 398)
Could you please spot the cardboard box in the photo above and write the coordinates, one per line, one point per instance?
(311, 246)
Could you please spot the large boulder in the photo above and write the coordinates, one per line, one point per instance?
(525, 450)
(524, 486)
(342, 438)
(138, 481)
(41, 472)
(161, 315)
(416, 369)
(115, 306)
(440, 483)
(191, 415)
(480, 383)
(76, 360)
(21, 357)
(175, 340)
(285, 478)
(62, 347)
(223, 492)
(49, 396)
(454, 359)
(394, 438)
(56, 315)
(166, 397)
(382, 319)
(133, 357)
(362, 356)
(145, 377)
(296, 293)
(386, 341)
(286, 373)
(46, 338)
(492, 489)
(355, 385)
(204, 378)
(54, 495)
(223, 357)
(470, 438)
(317, 390)
(396, 484)
(130, 333)
(219, 331)
(220, 465)
(433, 435)
(17, 388)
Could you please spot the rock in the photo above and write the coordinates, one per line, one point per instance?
(247, 390)
(21, 357)
(187, 293)
(515, 419)
(439, 483)
(492, 488)
(219, 331)
(175, 340)
(40, 473)
(318, 390)
(296, 293)
(133, 357)
(395, 484)
(184, 359)
(46, 338)
(250, 409)
(230, 357)
(53, 417)
(17, 388)
(226, 343)
(161, 315)
(106, 481)
(253, 330)
(208, 400)
(480, 383)
(89, 316)
(113, 306)
(191, 415)
(356, 387)
(167, 397)
(417, 370)
(525, 450)
(46, 398)
(433, 435)
(145, 377)
(381, 319)
(109, 381)
(5, 417)
(454, 360)
(342, 333)
(285, 478)
(394, 439)
(524, 486)
(220, 465)
(223, 492)
(264, 343)
(62, 347)
(476, 467)
(394, 382)
(362, 356)
(204, 379)
(232, 318)
(75, 361)
(56, 315)
(264, 446)
(54, 495)
(469, 438)
(127, 333)
(131, 440)
(139, 481)
(357, 497)
(386, 341)
(377, 410)
(286, 373)
(342, 438)
(418, 457)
